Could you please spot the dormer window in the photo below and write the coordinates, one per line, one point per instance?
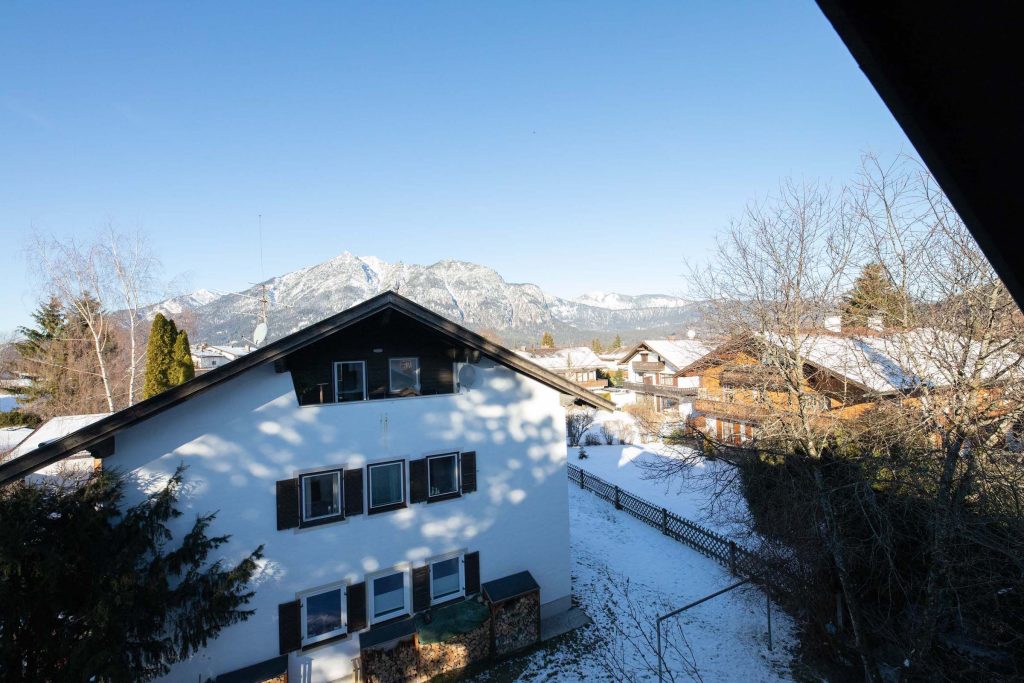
(404, 376)
(350, 380)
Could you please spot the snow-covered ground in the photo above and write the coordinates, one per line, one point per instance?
(688, 495)
(621, 567)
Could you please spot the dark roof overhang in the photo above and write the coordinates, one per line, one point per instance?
(99, 433)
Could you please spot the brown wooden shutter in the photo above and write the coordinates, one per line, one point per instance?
(472, 573)
(289, 625)
(287, 504)
(420, 588)
(418, 481)
(467, 466)
(355, 600)
(354, 492)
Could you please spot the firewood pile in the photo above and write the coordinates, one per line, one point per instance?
(457, 652)
(400, 663)
(516, 624)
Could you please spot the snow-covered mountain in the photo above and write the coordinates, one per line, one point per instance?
(619, 302)
(179, 304)
(470, 294)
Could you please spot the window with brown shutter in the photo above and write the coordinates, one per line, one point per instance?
(354, 492)
(289, 624)
(472, 572)
(468, 471)
(287, 504)
(355, 598)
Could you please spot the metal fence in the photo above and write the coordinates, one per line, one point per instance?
(739, 560)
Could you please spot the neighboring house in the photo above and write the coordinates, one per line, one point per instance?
(577, 364)
(206, 357)
(53, 429)
(844, 374)
(653, 369)
(388, 460)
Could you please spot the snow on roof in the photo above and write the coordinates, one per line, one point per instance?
(563, 359)
(676, 352)
(55, 428)
(898, 361)
(12, 436)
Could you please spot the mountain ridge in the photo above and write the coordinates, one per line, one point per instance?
(467, 293)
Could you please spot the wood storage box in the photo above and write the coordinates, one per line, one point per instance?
(515, 612)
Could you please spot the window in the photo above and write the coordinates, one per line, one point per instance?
(446, 580)
(387, 486)
(442, 475)
(404, 376)
(322, 615)
(321, 497)
(350, 381)
(388, 596)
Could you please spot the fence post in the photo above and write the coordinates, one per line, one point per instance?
(583, 474)
(664, 521)
(732, 557)
(618, 505)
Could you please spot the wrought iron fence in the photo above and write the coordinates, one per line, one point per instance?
(738, 559)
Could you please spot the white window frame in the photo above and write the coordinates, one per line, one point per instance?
(337, 394)
(458, 474)
(461, 593)
(342, 629)
(320, 519)
(391, 390)
(369, 484)
(371, 610)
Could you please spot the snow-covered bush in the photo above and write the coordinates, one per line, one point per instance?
(592, 439)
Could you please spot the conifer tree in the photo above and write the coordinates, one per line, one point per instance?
(547, 341)
(182, 369)
(873, 294)
(596, 346)
(42, 353)
(93, 591)
(159, 356)
(617, 343)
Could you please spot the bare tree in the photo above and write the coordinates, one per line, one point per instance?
(104, 284)
(577, 422)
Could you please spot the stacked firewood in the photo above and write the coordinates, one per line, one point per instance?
(400, 663)
(456, 652)
(516, 624)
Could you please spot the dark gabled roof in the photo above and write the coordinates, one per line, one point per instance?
(102, 430)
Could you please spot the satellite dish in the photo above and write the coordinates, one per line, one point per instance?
(259, 334)
(690, 334)
(467, 376)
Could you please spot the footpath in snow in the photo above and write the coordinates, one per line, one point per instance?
(624, 573)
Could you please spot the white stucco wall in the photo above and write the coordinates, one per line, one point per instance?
(240, 438)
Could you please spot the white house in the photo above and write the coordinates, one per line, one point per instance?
(388, 460)
(206, 357)
(577, 364)
(653, 369)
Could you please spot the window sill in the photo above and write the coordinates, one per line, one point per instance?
(325, 641)
(378, 399)
(386, 508)
(445, 496)
(333, 519)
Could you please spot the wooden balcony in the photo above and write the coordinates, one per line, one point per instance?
(756, 376)
(728, 409)
(662, 390)
(648, 366)
(592, 383)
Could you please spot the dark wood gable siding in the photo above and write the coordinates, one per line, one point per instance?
(396, 336)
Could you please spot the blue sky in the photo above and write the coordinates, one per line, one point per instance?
(576, 145)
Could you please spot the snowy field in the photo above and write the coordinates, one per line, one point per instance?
(688, 496)
(624, 569)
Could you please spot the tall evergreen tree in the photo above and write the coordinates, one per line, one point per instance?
(182, 369)
(617, 343)
(159, 356)
(596, 346)
(43, 353)
(93, 591)
(873, 294)
(547, 341)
